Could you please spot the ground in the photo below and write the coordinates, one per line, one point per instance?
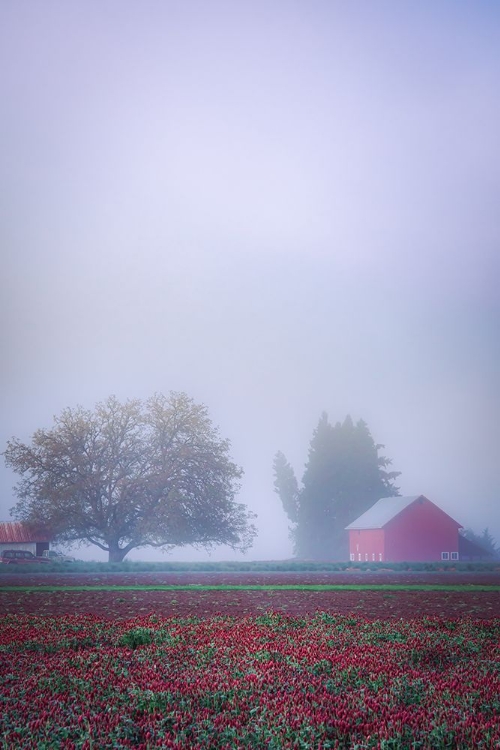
(123, 604)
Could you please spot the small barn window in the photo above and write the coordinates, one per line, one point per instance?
(445, 555)
(353, 556)
(366, 556)
(454, 555)
(373, 556)
(380, 557)
(359, 556)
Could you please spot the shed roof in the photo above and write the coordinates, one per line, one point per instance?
(16, 532)
(468, 548)
(382, 512)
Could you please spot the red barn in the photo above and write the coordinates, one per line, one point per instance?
(404, 529)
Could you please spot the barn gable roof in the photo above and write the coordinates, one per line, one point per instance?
(16, 532)
(384, 511)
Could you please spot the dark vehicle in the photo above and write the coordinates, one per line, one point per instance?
(21, 556)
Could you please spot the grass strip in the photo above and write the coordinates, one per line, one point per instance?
(469, 587)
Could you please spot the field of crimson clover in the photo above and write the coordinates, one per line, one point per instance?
(267, 681)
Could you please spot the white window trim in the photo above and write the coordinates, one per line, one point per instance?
(445, 556)
(454, 555)
(353, 556)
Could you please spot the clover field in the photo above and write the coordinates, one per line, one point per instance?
(366, 671)
(270, 681)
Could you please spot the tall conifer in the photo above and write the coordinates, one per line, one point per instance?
(343, 477)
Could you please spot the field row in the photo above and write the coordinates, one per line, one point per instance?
(126, 603)
(58, 578)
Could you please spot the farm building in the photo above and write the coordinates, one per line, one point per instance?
(471, 551)
(404, 529)
(17, 535)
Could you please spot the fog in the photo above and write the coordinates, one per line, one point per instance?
(280, 208)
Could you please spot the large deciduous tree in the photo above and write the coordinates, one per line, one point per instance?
(132, 474)
(343, 477)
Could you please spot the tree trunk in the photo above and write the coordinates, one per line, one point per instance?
(115, 553)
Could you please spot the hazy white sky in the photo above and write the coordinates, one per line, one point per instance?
(278, 207)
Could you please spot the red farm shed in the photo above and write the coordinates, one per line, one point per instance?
(17, 535)
(404, 529)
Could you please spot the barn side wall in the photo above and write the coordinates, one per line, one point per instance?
(421, 532)
(366, 545)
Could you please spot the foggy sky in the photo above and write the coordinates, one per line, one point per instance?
(278, 207)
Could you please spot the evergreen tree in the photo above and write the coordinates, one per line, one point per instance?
(316, 518)
(285, 484)
(343, 477)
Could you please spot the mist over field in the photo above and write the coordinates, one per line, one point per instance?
(278, 208)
